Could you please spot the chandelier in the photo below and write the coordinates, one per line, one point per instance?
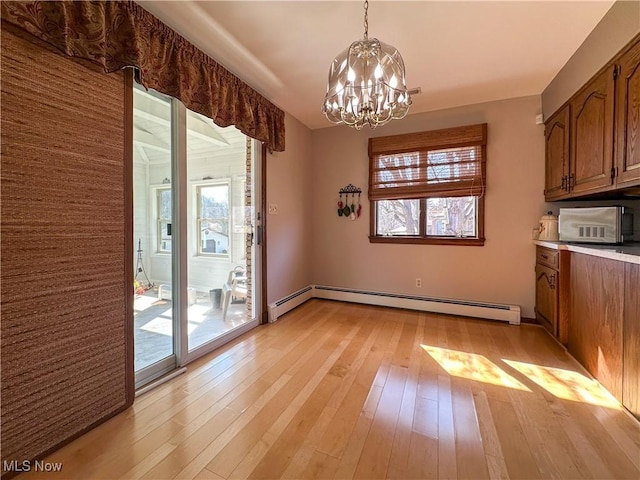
(366, 83)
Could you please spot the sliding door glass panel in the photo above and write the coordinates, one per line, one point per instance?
(219, 230)
(152, 235)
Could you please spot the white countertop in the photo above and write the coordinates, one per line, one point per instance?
(622, 253)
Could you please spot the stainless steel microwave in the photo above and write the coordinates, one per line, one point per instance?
(612, 225)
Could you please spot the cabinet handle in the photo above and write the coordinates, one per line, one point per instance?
(572, 182)
(551, 280)
(546, 257)
(564, 182)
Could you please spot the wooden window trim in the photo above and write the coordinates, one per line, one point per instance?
(465, 136)
(423, 239)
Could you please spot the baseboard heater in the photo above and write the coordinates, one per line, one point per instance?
(289, 303)
(490, 311)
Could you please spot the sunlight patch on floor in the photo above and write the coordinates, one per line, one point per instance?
(142, 302)
(163, 325)
(566, 384)
(473, 367)
(198, 314)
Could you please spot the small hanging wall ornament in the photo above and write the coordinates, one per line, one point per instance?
(348, 208)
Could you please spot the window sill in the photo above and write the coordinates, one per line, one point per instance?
(469, 242)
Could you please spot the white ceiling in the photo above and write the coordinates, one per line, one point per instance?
(458, 52)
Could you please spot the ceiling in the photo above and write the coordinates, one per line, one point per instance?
(457, 52)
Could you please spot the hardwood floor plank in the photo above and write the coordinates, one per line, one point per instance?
(447, 448)
(202, 458)
(490, 439)
(321, 466)
(207, 475)
(399, 459)
(186, 447)
(336, 390)
(356, 397)
(306, 376)
(294, 425)
(224, 461)
(556, 456)
(299, 462)
(470, 460)
(377, 448)
(627, 439)
(514, 446)
(422, 458)
(353, 450)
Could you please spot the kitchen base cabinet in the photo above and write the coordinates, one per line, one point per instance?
(596, 318)
(552, 293)
(631, 348)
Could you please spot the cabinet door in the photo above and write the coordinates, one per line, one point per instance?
(547, 298)
(556, 133)
(596, 322)
(592, 135)
(631, 379)
(628, 119)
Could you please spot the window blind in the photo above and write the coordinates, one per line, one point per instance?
(439, 163)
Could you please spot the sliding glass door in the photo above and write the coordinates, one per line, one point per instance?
(195, 191)
(154, 332)
(220, 212)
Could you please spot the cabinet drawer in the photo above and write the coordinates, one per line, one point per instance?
(548, 257)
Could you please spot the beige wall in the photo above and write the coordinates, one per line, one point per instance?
(615, 30)
(501, 271)
(289, 231)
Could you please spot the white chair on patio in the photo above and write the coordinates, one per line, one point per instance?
(236, 288)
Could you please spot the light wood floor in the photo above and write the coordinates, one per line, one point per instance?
(336, 390)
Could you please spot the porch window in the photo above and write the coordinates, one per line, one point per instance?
(213, 219)
(163, 202)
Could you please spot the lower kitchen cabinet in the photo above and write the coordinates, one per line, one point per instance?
(596, 318)
(592, 305)
(552, 291)
(631, 352)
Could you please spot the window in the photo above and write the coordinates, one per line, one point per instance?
(429, 187)
(213, 219)
(163, 202)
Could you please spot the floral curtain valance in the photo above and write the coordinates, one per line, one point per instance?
(118, 34)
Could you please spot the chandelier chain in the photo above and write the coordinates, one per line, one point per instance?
(366, 19)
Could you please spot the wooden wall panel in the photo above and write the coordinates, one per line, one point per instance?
(631, 382)
(66, 278)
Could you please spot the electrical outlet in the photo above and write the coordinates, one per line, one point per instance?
(419, 282)
(273, 209)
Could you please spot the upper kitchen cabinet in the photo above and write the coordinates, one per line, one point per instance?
(592, 143)
(556, 134)
(628, 118)
(591, 150)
